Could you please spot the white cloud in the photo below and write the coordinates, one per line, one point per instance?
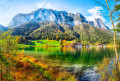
(57, 6)
(8, 11)
(46, 4)
(95, 13)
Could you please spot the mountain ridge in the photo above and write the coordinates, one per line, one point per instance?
(60, 17)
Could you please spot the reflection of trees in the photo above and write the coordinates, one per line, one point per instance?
(68, 49)
(82, 55)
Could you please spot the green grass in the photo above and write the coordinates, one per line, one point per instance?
(25, 45)
(45, 42)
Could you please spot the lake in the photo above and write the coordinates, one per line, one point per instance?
(70, 55)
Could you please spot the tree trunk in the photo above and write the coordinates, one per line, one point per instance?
(115, 46)
(110, 15)
(117, 57)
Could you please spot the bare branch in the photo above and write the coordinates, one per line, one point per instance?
(114, 16)
(102, 4)
(104, 14)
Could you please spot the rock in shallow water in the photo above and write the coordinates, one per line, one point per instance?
(90, 75)
(84, 73)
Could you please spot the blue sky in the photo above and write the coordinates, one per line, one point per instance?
(89, 8)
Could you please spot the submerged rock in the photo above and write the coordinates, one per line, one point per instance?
(84, 73)
(90, 75)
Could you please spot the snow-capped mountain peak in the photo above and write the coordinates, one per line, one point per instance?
(60, 17)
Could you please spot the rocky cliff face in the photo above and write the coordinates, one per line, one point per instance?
(59, 17)
(99, 23)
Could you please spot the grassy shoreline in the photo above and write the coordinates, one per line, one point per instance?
(55, 43)
(26, 66)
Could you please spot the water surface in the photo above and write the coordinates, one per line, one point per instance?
(70, 55)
